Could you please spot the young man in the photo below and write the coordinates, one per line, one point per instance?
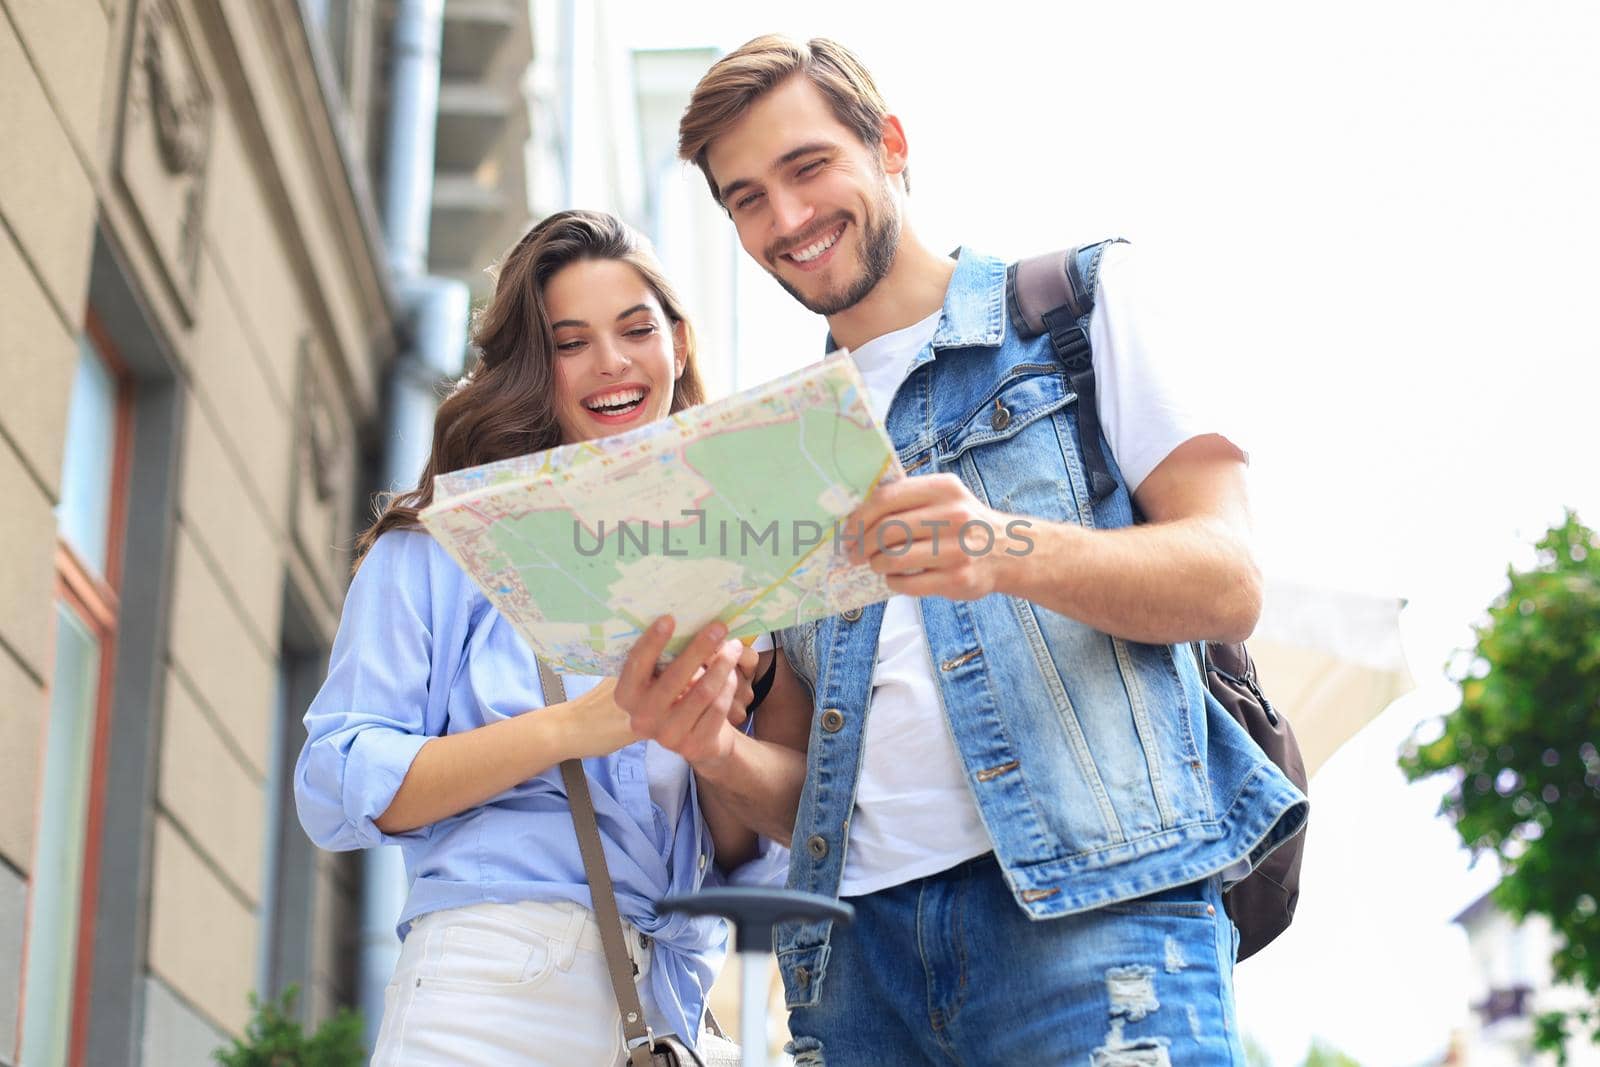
(1037, 818)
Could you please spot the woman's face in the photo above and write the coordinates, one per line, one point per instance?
(617, 354)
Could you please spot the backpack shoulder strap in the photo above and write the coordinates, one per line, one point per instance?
(1055, 280)
(1054, 294)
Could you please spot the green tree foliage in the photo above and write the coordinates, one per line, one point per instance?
(1522, 749)
(1255, 1054)
(275, 1038)
(1324, 1055)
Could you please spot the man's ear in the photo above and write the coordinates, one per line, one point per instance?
(893, 150)
(680, 348)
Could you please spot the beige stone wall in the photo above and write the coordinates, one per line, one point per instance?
(251, 258)
(283, 324)
(50, 80)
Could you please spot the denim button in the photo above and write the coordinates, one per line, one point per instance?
(1000, 418)
(850, 614)
(817, 845)
(832, 720)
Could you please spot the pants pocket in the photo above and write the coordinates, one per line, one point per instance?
(480, 955)
(458, 1004)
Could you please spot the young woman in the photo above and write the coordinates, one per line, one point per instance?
(424, 735)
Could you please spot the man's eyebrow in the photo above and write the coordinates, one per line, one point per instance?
(584, 325)
(733, 187)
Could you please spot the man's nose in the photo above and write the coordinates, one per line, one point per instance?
(790, 213)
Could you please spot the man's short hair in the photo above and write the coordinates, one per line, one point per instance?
(743, 76)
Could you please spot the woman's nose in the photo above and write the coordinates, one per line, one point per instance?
(609, 358)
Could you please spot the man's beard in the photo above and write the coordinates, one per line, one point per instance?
(878, 245)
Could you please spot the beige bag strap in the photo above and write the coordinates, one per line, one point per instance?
(634, 1026)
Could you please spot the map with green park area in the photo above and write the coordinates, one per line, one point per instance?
(731, 511)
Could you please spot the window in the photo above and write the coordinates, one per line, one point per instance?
(89, 516)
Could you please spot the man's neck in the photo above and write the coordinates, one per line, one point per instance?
(913, 289)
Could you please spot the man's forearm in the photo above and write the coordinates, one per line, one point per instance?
(759, 782)
(736, 843)
(1187, 580)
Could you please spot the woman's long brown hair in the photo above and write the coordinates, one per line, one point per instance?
(506, 406)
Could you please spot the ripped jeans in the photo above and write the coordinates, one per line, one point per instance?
(948, 970)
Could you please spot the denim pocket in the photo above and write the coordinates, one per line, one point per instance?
(1017, 404)
(1192, 900)
(1013, 452)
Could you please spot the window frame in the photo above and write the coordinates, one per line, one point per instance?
(93, 599)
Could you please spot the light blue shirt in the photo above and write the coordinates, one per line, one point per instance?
(421, 653)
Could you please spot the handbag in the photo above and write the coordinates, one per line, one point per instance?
(645, 1048)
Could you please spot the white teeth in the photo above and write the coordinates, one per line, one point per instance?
(618, 398)
(810, 252)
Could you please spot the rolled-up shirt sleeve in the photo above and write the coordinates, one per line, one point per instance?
(370, 717)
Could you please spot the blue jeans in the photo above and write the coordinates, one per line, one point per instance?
(948, 970)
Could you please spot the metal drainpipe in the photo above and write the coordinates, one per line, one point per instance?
(436, 318)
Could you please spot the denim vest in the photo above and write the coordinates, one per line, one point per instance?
(1102, 768)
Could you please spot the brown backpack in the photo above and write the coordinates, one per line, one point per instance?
(1054, 294)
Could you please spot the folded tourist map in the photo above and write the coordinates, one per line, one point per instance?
(732, 510)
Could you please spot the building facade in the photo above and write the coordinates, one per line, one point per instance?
(1511, 985)
(200, 318)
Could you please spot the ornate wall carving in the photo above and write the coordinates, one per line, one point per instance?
(324, 469)
(164, 143)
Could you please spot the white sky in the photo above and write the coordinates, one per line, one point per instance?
(1379, 222)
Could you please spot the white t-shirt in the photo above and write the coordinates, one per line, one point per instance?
(915, 813)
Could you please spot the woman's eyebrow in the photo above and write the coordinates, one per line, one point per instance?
(584, 325)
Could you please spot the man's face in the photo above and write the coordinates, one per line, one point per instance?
(811, 202)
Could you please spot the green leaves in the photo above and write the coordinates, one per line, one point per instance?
(274, 1038)
(1522, 749)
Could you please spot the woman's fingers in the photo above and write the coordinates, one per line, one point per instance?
(674, 707)
(638, 670)
(679, 674)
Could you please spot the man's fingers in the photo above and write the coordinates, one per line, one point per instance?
(680, 673)
(903, 495)
(918, 557)
(749, 660)
(718, 668)
(743, 696)
(884, 500)
(723, 704)
(712, 721)
(939, 525)
(695, 725)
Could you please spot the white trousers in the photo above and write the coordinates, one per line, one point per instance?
(515, 984)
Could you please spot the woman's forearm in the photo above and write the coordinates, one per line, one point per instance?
(460, 771)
